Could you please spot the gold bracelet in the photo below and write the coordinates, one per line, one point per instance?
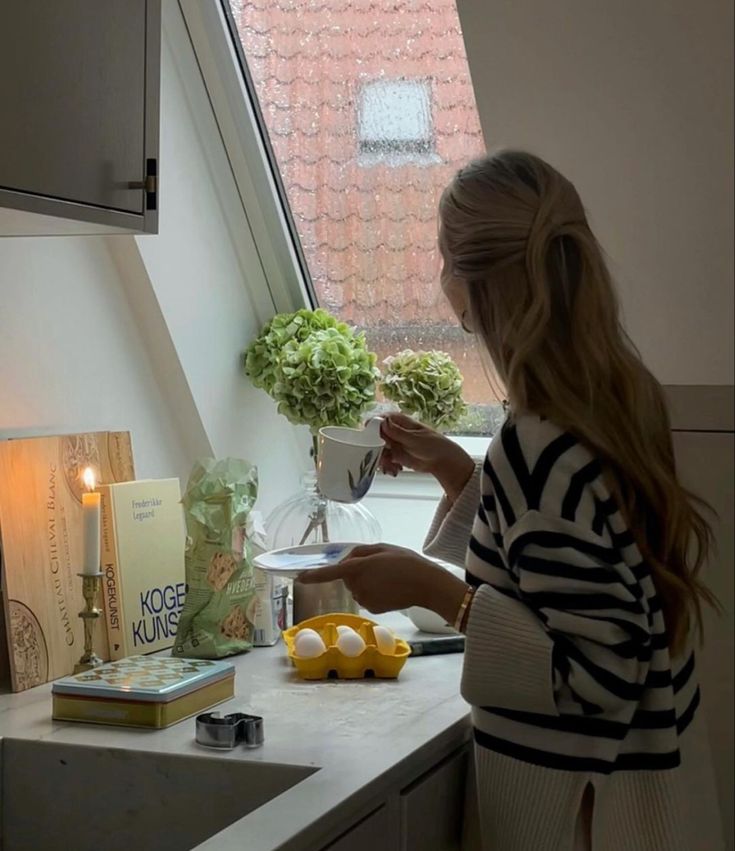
(466, 600)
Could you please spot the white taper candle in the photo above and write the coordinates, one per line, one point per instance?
(91, 514)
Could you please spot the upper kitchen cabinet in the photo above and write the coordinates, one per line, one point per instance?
(79, 113)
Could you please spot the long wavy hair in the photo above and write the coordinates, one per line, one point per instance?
(542, 301)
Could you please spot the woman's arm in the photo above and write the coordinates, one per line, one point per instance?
(451, 526)
(411, 444)
(575, 637)
(384, 578)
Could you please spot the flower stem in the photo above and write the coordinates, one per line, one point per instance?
(318, 519)
(315, 448)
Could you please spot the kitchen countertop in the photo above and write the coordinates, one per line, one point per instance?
(361, 735)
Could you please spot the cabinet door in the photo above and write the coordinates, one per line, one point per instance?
(74, 101)
(378, 830)
(432, 808)
(706, 466)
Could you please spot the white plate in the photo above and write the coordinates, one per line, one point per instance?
(290, 562)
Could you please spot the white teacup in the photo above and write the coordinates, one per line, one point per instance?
(348, 460)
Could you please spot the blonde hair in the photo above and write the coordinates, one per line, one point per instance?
(543, 302)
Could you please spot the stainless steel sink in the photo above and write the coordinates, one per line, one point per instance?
(57, 796)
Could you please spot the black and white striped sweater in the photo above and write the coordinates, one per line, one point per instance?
(567, 665)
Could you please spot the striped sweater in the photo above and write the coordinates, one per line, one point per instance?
(567, 665)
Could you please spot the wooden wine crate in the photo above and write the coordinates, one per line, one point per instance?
(41, 547)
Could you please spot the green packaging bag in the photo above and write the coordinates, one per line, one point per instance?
(218, 611)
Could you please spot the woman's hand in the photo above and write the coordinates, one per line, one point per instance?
(411, 444)
(384, 578)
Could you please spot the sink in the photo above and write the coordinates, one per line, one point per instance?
(57, 796)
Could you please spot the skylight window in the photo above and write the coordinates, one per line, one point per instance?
(395, 118)
(369, 111)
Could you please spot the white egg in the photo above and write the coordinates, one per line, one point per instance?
(307, 630)
(309, 644)
(385, 641)
(350, 644)
(342, 628)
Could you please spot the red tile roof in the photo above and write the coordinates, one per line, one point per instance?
(368, 231)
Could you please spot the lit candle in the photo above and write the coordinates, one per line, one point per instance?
(91, 523)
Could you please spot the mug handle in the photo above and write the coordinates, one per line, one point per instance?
(372, 426)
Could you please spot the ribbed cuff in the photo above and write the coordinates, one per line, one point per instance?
(507, 660)
(449, 533)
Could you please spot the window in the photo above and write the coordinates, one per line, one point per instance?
(394, 122)
(369, 110)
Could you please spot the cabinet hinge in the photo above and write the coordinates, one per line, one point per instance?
(149, 185)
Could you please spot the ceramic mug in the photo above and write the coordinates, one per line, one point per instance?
(348, 459)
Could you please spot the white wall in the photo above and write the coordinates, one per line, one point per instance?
(634, 102)
(71, 356)
(207, 278)
(146, 333)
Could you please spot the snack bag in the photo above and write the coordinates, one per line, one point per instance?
(218, 613)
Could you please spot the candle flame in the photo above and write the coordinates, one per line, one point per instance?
(88, 478)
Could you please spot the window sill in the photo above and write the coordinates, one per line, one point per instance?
(476, 446)
(406, 485)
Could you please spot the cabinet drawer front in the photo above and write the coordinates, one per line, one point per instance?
(432, 808)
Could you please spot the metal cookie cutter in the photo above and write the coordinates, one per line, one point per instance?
(234, 729)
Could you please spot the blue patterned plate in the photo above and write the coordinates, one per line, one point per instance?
(290, 562)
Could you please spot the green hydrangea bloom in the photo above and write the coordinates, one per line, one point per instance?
(315, 367)
(329, 378)
(427, 385)
(261, 357)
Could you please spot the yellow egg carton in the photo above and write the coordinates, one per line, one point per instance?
(334, 664)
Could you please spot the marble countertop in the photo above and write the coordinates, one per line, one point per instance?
(361, 735)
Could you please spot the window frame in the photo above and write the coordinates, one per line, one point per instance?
(214, 39)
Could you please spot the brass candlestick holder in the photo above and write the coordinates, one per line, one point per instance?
(91, 584)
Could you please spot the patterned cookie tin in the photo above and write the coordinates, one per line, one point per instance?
(153, 679)
(143, 691)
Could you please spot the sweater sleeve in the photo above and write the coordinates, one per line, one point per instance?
(449, 533)
(574, 638)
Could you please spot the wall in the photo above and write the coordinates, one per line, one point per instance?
(146, 333)
(634, 102)
(72, 357)
(207, 279)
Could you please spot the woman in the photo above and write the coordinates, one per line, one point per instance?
(583, 556)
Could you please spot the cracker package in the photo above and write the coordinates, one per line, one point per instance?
(217, 618)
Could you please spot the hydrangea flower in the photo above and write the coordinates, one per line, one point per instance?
(261, 357)
(427, 385)
(327, 379)
(316, 368)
